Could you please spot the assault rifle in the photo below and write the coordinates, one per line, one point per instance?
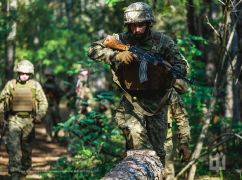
(145, 56)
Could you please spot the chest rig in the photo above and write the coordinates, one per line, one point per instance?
(23, 97)
(157, 76)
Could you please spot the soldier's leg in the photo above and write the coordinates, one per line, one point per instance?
(27, 154)
(14, 148)
(48, 126)
(170, 170)
(157, 131)
(56, 119)
(133, 126)
(27, 138)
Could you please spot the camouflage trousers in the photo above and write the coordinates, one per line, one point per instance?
(169, 168)
(140, 131)
(19, 138)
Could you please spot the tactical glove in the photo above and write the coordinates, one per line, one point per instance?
(185, 152)
(125, 56)
(180, 86)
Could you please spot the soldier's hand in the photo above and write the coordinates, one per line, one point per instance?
(185, 152)
(125, 56)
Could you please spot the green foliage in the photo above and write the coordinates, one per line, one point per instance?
(198, 95)
(112, 2)
(95, 145)
(48, 39)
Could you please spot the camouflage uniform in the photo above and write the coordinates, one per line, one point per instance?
(141, 131)
(177, 112)
(84, 97)
(20, 131)
(53, 94)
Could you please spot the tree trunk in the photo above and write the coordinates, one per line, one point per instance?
(229, 94)
(69, 8)
(236, 91)
(190, 17)
(138, 165)
(237, 67)
(11, 6)
(217, 88)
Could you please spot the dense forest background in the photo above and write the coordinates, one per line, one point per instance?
(57, 34)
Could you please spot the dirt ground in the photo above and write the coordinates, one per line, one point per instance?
(43, 155)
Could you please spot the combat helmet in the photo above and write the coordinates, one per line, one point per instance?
(25, 66)
(49, 72)
(138, 12)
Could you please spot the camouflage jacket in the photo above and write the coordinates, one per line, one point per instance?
(155, 42)
(40, 98)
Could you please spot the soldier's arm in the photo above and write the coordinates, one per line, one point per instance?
(42, 104)
(5, 96)
(99, 52)
(5, 99)
(179, 114)
(171, 53)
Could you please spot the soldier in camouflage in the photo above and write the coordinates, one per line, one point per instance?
(177, 112)
(84, 99)
(24, 102)
(142, 113)
(53, 94)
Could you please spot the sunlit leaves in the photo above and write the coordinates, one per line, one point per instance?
(112, 2)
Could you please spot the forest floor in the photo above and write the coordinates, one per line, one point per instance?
(44, 154)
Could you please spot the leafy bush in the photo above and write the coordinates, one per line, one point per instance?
(95, 145)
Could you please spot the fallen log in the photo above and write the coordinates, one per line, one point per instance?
(137, 165)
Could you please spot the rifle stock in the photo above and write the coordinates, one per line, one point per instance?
(113, 43)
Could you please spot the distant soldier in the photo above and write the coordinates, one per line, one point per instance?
(24, 102)
(83, 92)
(53, 94)
(178, 113)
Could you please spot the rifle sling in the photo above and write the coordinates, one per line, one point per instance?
(136, 105)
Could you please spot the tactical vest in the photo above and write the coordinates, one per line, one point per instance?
(128, 74)
(23, 97)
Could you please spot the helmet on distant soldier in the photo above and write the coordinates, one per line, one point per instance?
(25, 66)
(49, 72)
(138, 12)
